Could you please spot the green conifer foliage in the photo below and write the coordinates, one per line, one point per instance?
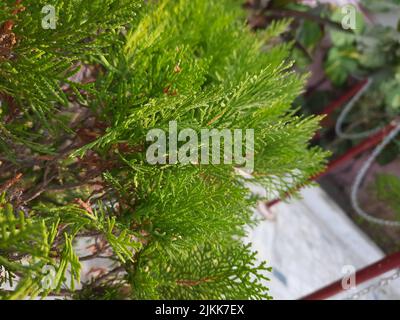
(77, 103)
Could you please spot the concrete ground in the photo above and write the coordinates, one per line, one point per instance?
(311, 243)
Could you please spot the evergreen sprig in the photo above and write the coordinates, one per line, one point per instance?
(77, 103)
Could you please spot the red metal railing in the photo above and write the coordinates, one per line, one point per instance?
(365, 145)
(329, 109)
(372, 271)
(342, 99)
(388, 263)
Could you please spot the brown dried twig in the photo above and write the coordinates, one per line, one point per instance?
(10, 183)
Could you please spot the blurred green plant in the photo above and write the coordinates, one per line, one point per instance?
(387, 187)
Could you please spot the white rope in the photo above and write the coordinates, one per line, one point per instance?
(363, 171)
(346, 110)
(361, 174)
